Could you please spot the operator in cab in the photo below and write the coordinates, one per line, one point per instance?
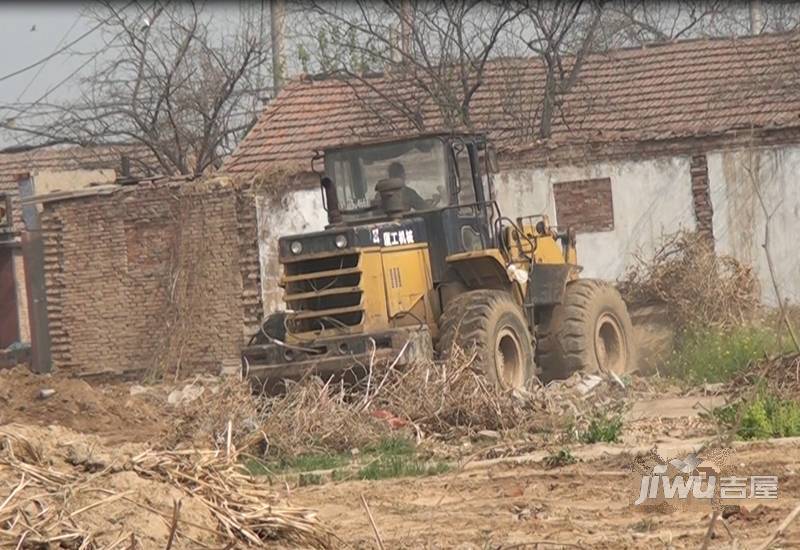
(397, 171)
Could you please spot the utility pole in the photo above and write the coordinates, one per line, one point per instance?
(756, 17)
(406, 29)
(277, 21)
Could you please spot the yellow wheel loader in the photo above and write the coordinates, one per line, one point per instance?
(417, 260)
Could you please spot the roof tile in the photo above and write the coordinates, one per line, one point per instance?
(680, 89)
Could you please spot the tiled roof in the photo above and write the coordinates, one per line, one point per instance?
(680, 89)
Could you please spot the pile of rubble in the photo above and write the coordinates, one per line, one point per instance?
(66, 489)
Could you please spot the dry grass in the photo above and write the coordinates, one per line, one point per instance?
(779, 375)
(246, 510)
(315, 416)
(422, 400)
(204, 421)
(49, 506)
(698, 287)
(453, 398)
(441, 400)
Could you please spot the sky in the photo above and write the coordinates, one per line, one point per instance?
(29, 31)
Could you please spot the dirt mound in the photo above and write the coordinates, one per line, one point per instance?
(70, 489)
(104, 409)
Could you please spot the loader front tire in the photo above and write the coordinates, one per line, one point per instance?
(490, 324)
(589, 331)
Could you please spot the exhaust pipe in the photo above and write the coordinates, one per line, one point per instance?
(331, 201)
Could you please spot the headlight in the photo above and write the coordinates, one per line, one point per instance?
(296, 247)
(341, 241)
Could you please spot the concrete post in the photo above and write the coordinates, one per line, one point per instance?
(277, 21)
(33, 254)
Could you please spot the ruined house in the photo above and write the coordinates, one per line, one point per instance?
(648, 141)
(32, 170)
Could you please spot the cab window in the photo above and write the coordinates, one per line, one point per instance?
(466, 191)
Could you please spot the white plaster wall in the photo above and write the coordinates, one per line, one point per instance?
(651, 198)
(48, 181)
(298, 211)
(739, 220)
(22, 297)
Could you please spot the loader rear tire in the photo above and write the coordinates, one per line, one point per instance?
(589, 331)
(491, 324)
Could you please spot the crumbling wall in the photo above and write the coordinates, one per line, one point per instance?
(281, 213)
(153, 278)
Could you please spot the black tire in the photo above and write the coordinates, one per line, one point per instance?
(589, 331)
(491, 323)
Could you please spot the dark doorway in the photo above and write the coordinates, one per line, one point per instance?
(9, 320)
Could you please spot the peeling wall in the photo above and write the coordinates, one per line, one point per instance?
(651, 198)
(22, 297)
(739, 220)
(294, 212)
(51, 181)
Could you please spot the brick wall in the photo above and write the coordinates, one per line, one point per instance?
(151, 278)
(701, 197)
(585, 205)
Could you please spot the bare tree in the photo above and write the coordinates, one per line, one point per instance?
(560, 35)
(167, 81)
(755, 17)
(433, 56)
(637, 22)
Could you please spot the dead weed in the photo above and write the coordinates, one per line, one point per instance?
(697, 286)
(439, 400)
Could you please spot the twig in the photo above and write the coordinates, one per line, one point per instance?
(781, 528)
(102, 502)
(176, 510)
(228, 439)
(372, 522)
(734, 540)
(22, 483)
(710, 530)
(542, 541)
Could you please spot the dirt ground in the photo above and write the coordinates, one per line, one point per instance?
(515, 502)
(104, 409)
(510, 501)
(503, 506)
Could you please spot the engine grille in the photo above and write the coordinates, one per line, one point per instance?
(323, 293)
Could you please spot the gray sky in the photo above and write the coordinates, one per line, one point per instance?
(22, 46)
(56, 24)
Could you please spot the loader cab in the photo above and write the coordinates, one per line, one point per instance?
(443, 179)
